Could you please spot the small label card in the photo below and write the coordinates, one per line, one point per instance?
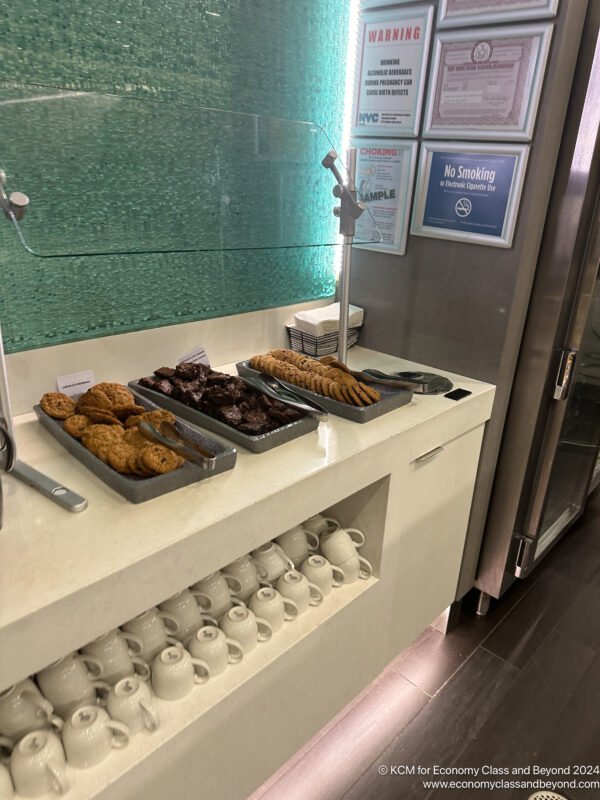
(196, 356)
(76, 383)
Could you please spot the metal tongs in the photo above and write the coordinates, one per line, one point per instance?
(168, 435)
(275, 389)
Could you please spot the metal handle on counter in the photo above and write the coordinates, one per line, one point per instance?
(428, 456)
(54, 491)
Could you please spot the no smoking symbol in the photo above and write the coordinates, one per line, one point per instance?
(463, 207)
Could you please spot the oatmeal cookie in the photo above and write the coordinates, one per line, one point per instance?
(76, 425)
(58, 405)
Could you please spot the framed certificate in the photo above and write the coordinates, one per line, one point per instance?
(390, 71)
(486, 83)
(458, 13)
(385, 173)
(469, 192)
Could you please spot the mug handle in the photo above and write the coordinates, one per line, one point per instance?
(334, 522)
(261, 570)
(284, 555)
(236, 653)
(233, 583)
(133, 639)
(359, 540)
(237, 602)
(312, 538)
(174, 642)
(121, 733)
(60, 783)
(44, 708)
(56, 722)
(265, 631)
(91, 661)
(202, 673)
(337, 581)
(171, 623)
(202, 599)
(144, 669)
(150, 716)
(290, 609)
(208, 620)
(316, 595)
(104, 686)
(366, 568)
(6, 743)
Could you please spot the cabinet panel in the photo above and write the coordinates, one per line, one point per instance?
(433, 508)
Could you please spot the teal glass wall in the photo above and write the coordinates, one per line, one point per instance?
(283, 58)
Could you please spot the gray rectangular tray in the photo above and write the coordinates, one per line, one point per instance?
(390, 399)
(256, 444)
(137, 489)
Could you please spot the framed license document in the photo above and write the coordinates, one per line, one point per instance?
(469, 192)
(457, 13)
(390, 71)
(486, 83)
(385, 173)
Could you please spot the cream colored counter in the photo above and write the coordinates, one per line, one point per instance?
(67, 578)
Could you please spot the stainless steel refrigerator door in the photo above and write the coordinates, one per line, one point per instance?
(572, 437)
(532, 431)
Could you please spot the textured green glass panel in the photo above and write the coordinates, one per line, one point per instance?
(282, 58)
(145, 176)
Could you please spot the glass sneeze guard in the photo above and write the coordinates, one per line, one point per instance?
(108, 174)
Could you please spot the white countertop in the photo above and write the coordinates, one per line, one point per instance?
(61, 572)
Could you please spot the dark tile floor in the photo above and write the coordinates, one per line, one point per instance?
(517, 688)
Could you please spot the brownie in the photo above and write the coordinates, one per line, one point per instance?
(217, 396)
(164, 372)
(189, 372)
(232, 415)
(164, 387)
(225, 397)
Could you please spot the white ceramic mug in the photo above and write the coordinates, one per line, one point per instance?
(268, 604)
(7, 790)
(210, 645)
(130, 702)
(155, 629)
(320, 524)
(355, 568)
(90, 734)
(339, 545)
(37, 765)
(295, 586)
(298, 543)
(113, 651)
(241, 624)
(273, 559)
(23, 709)
(213, 593)
(174, 673)
(323, 574)
(67, 683)
(247, 573)
(184, 608)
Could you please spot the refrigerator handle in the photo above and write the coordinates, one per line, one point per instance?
(564, 378)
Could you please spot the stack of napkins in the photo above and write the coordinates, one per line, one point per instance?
(320, 321)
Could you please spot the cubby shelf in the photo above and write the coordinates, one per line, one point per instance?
(177, 715)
